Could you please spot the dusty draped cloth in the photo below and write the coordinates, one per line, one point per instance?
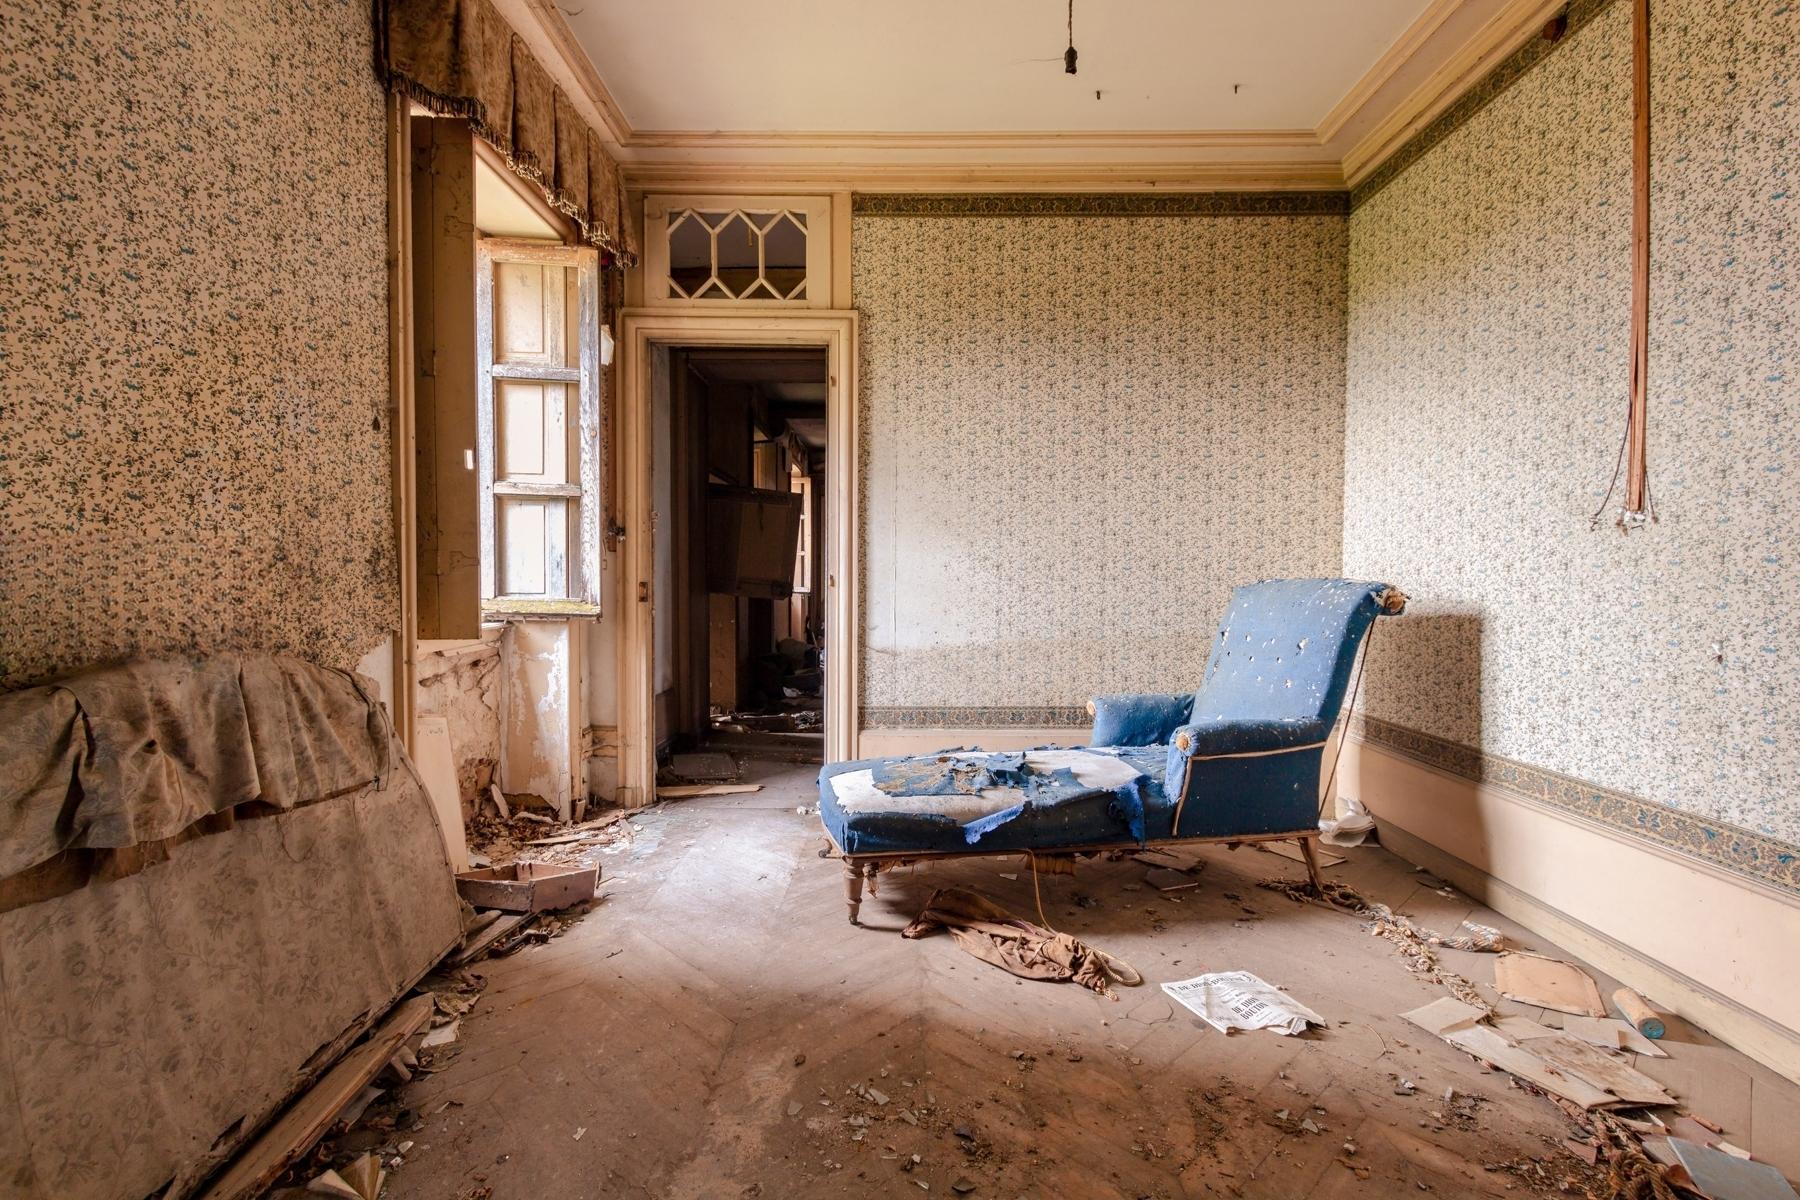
(459, 58)
(134, 755)
(1015, 945)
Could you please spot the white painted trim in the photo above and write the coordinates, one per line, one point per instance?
(1397, 56)
(1515, 24)
(826, 139)
(402, 705)
(979, 172)
(833, 330)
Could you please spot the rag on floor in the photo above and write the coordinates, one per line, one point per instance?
(990, 933)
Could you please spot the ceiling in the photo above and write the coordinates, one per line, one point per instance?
(990, 65)
(970, 95)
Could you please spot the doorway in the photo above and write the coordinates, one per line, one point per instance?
(737, 441)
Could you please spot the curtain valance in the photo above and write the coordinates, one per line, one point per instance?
(460, 58)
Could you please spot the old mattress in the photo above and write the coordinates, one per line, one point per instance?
(213, 873)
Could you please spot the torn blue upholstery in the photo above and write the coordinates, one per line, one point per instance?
(1143, 720)
(1237, 758)
(1061, 811)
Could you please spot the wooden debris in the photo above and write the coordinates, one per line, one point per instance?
(1604, 1071)
(1548, 983)
(476, 944)
(261, 1162)
(500, 803)
(687, 791)
(528, 887)
(1612, 1034)
(1555, 1063)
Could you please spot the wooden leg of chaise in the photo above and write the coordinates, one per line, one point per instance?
(853, 885)
(1312, 864)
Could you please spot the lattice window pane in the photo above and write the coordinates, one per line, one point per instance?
(737, 254)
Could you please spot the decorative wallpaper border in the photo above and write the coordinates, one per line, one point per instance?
(1753, 855)
(953, 717)
(1503, 76)
(1739, 851)
(1099, 204)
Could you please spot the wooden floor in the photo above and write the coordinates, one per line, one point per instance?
(700, 1035)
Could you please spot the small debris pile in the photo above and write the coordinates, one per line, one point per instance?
(528, 837)
(1415, 944)
(375, 1132)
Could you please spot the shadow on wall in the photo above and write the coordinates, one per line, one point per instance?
(1424, 673)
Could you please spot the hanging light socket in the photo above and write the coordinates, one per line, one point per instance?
(1069, 60)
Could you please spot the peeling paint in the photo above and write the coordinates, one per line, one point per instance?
(461, 683)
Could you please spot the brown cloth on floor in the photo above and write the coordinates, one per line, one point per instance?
(992, 934)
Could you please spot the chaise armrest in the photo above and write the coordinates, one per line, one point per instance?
(1138, 720)
(1220, 737)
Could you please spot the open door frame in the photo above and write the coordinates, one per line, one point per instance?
(834, 331)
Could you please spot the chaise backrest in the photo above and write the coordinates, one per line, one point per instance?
(1286, 646)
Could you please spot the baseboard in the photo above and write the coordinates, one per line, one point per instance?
(1702, 944)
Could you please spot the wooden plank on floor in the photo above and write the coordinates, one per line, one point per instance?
(686, 790)
(261, 1163)
(477, 943)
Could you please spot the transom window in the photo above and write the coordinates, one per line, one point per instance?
(764, 251)
(737, 255)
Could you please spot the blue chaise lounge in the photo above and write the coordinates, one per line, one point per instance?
(1239, 760)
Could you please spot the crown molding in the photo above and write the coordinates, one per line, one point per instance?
(938, 176)
(1510, 28)
(1101, 204)
(1027, 140)
(1025, 160)
(1408, 44)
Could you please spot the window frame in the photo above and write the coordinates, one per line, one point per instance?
(799, 481)
(583, 564)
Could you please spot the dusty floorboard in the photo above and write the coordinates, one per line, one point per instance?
(705, 1027)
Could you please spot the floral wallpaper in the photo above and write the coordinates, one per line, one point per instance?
(193, 332)
(1078, 434)
(1486, 395)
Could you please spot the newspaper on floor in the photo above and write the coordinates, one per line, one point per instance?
(1229, 1000)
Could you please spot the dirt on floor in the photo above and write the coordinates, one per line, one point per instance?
(716, 1028)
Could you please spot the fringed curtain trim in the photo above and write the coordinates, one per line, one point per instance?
(459, 58)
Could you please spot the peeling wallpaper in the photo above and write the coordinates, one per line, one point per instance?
(193, 333)
(1079, 433)
(1486, 393)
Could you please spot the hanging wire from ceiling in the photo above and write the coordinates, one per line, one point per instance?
(1069, 54)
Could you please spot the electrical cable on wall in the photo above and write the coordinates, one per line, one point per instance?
(1633, 464)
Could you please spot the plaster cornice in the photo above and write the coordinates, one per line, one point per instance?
(1341, 152)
